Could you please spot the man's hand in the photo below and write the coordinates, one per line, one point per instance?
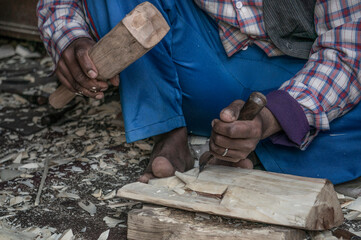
(240, 137)
(78, 73)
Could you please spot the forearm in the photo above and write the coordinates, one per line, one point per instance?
(329, 85)
(60, 23)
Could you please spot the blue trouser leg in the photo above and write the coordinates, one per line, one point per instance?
(187, 79)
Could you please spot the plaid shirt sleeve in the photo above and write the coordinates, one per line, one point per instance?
(329, 85)
(60, 22)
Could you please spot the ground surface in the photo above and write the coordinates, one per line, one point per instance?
(84, 146)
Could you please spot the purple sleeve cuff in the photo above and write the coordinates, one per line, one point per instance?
(290, 116)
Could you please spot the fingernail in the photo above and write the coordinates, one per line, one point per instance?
(229, 113)
(212, 123)
(103, 89)
(92, 74)
(99, 97)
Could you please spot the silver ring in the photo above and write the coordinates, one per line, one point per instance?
(93, 90)
(80, 93)
(225, 152)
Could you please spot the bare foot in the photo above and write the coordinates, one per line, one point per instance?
(170, 153)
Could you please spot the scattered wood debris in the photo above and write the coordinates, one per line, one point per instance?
(87, 153)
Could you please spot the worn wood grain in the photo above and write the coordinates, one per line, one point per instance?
(253, 195)
(166, 223)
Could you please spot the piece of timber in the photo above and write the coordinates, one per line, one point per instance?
(253, 195)
(172, 224)
(129, 40)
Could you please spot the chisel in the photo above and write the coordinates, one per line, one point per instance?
(249, 111)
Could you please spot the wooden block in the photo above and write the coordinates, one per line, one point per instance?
(252, 195)
(165, 223)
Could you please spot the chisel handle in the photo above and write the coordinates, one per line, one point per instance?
(255, 103)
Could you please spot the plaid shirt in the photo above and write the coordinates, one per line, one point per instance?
(327, 87)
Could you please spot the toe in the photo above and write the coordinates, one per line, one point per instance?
(145, 177)
(162, 167)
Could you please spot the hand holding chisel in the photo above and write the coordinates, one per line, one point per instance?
(249, 111)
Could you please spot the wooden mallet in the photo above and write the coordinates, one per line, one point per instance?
(129, 40)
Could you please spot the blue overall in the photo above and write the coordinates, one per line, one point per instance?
(187, 79)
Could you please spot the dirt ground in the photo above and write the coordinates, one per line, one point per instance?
(84, 147)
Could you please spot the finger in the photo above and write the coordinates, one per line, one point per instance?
(64, 81)
(230, 113)
(232, 143)
(87, 66)
(237, 129)
(245, 163)
(115, 81)
(81, 81)
(82, 55)
(96, 95)
(230, 155)
(64, 76)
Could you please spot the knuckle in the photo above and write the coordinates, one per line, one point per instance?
(67, 54)
(80, 52)
(249, 147)
(231, 130)
(214, 147)
(256, 131)
(243, 155)
(217, 139)
(80, 77)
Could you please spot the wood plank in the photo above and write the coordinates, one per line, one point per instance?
(252, 195)
(165, 223)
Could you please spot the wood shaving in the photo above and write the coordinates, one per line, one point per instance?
(111, 222)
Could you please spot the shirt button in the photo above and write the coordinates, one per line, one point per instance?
(239, 5)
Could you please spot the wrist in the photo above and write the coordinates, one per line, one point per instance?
(270, 124)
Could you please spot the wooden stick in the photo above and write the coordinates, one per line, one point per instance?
(43, 178)
(129, 40)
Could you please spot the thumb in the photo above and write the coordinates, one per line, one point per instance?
(83, 45)
(230, 113)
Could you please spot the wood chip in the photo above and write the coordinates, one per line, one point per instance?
(91, 208)
(110, 195)
(6, 51)
(98, 193)
(18, 158)
(119, 205)
(111, 222)
(8, 174)
(81, 132)
(352, 215)
(26, 53)
(30, 166)
(67, 235)
(143, 146)
(19, 199)
(104, 235)
(68, 195)
(8, 157)
(356, 205)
